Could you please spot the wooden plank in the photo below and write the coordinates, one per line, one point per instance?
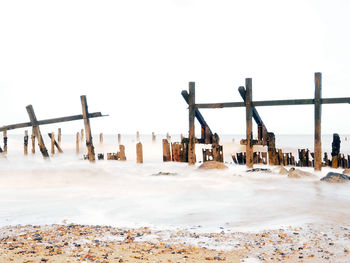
(89, 144)
(271, 103)
(36, 131)
(249, 124)
(50, 121)
(191, 133)
(56, 143)
(318, 112)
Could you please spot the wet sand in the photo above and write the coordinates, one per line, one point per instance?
(81, 243)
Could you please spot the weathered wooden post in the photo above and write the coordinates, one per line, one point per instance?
(153, 137)
(318, 112)
(33, 141)
(52, 143)
(5, 141)
(122, 152)
(249, 130)
(82, 134)
(59, 136)
(52, 137)
(26, 142)
(119, 138)
(77, 143)
(166, 151)
(191, 133)
(101, 137)
(89, 144)
(139, 154)
(36, 131)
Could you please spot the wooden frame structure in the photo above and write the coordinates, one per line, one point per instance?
(250, 105)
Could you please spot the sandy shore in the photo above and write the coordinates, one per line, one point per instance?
(79, 243)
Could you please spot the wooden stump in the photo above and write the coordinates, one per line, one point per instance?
(52, 143)
(59, 136)
(33, 141)
(139, 153)
(166, 151)
(153, 137)
(122, 153)
(26, 142)
(119, 138)
(101, 137)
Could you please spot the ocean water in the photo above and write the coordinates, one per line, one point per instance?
(69, 189)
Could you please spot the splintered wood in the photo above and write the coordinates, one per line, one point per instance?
(119, 155)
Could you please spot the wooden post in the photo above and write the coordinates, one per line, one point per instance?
(153, 137)
(5, 141)
(52, 143)
(122, 152)
(37, 132)
(82, 134)
(26, 142)
(101, 137)
(139, 154)
(77, 143)
(249, 124)
(89, 144)
(52, 137)
(166, 151)
(318, 112)
(191, 133)
(119, 138)
(33, 141)
(59, 137)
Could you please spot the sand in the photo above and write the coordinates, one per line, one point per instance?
(80, 243)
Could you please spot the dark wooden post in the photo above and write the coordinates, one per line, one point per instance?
(77, 143)
(191, 133)
(249, 124)
(26, 142)
(318, 112)
(33, 141)
(139, 154)
(36, 131)
(89, 144)
(5, 141)
(59, 136)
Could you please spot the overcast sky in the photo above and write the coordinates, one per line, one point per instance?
(132, 58)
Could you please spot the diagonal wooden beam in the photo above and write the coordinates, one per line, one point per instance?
(56, 144)
(36, 131)
(50, 121)
(89, 144)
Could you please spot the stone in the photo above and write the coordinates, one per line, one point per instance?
(332, 177)
(212, 165)
(346, 171)
(297, 173)
(265, 170)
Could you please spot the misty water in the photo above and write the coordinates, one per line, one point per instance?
(69, 189)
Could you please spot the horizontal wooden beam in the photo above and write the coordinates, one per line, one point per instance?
(271, 103)
(50, 121)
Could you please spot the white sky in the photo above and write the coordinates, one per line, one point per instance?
(132, 58)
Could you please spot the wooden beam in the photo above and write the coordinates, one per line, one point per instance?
(318, 112)
(249, 124)
(197, 113)
(50, 121)
(36, 131)
(56, 144)
(191, 133)
(271, 103)
(89, 144)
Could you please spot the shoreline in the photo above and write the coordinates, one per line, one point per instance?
(102, 244)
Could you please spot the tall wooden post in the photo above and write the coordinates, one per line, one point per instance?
(5, 141)
(101, 137)
(191, 133)
(318, 112)
(33, 141)
(37, 132)
(249, 124)
(52, 143)
(77, 143)
(139, 154)
(89, 144)
(26, 142)
(59, 136)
